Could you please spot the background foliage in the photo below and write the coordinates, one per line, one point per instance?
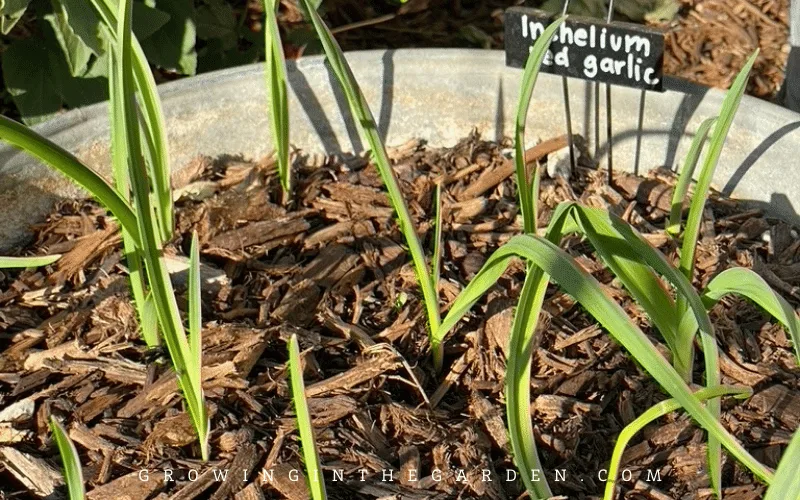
(54, 55)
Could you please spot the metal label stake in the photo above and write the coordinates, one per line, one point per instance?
(570, 140)
(600, 51)
(609, 132)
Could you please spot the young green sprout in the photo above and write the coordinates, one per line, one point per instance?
(155, 144)
(315, 480)
(157, 160)
(619, 243)
(528, 188)
(73, 474)
(685, 178)
(521, 343)
(684, 351)
(135, 260)
(136, 214)
(436, 261)
(365, 122)
(275, 70)
(640, 268)
(23, 262)
(651, 415)
(544, 255)
(185, 359)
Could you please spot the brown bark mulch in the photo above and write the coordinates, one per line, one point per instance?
(330, 267)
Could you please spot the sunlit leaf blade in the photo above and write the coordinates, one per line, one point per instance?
(136, 276)
(561, 223)
(518, 383)
(436, 261)
(748, 284)
(73, 474)
(275, 69)
(626, 251)
(65, 162)
(594, 221)
(126, 119)
(563, 270)
(195, 303)
(723, 124)
(630, 268)
(148, 318)
(369, 130)
(528, 189)
(686, 175)
(23, 262)
(521, 344)
(133, 256)
(153, 118)
(654, 413)
(786, 485)
(729, 107)
(316, 481)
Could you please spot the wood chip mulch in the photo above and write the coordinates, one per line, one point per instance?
(330, 267)
(712, 40)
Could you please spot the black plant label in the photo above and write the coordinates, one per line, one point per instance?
(617, 53)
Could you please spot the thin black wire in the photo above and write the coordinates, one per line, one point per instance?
(565, 87)
(609, 132)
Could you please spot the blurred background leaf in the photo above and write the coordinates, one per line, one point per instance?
(75, 50)
(11, 11)
(147, 20)
(216, 19)
(40, 81)
(172, 46)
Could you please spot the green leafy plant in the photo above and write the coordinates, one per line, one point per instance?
(617, 242)
(652, 414)
(436, 263)
(685, 179)
(136, 214)
(73, 474)
(528, 185)
(156, 153)
(156, 148)
(369, 130)
(640, 268)
(275, 66)
(684, 350)
(521, 343)
(543, 254)
(315, 481)
(184, 359)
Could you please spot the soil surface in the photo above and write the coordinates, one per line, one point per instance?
(330, 266)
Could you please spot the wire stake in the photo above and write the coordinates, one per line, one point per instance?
(565, 86)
